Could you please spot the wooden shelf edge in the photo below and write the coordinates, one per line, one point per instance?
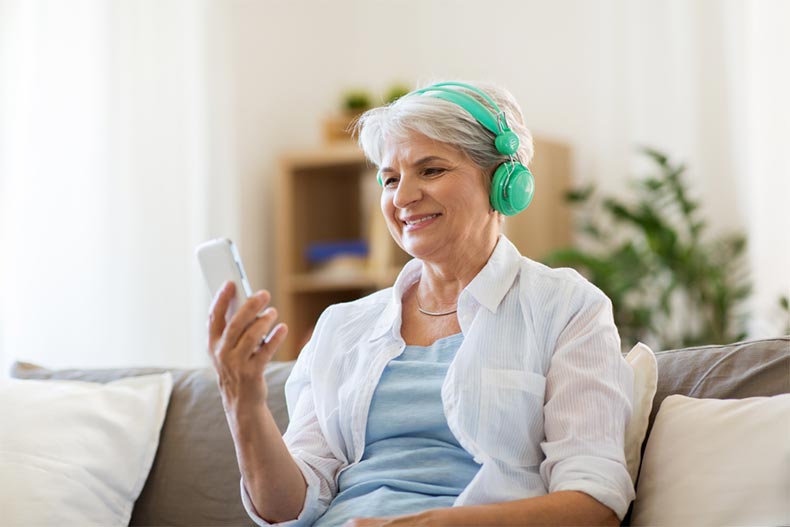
(334, 154)
(312, 282)
(318, 282)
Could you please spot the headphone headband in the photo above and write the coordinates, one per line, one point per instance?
(506, 141)
(494, 122)
(468, 103)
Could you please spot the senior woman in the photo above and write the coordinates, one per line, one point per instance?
(481, 389)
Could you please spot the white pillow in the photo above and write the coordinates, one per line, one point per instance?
(717, 462)
(77, 453)
(643, 362)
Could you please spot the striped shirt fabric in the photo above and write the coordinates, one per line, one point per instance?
(538, 392)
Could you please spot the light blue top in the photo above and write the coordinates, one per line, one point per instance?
(412, 462)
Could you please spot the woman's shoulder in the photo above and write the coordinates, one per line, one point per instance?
(538, 280)
(552, 298)
(540, 272)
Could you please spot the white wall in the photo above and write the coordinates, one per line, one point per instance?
(605, 76)
(552, 55)
(257, 76)
(110, 142)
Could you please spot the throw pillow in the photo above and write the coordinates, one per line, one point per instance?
(195, 474)
(717, 462)
(643, 362)
(77, 453)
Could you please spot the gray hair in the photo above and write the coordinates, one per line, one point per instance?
(445, 122)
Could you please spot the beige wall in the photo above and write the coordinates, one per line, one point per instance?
(601, 75)
(160, 124)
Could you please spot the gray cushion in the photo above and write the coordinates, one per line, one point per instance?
(733, 371)
(195, 477)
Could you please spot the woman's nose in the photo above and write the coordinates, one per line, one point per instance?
(408, 192)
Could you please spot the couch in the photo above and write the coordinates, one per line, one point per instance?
(194, 479)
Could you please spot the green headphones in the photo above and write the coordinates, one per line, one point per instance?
(513, 185)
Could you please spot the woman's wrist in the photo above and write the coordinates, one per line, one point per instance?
(244, 398)
(246, 416)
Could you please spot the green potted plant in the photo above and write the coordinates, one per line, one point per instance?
(670, 284)
(356, 101)
(395, 92)
(353, 103)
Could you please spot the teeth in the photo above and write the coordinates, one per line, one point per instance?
(426, 218)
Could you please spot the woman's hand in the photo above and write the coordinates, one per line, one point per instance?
(240, 350)
(410, 520)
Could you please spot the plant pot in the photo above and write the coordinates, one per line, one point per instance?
(339, 127)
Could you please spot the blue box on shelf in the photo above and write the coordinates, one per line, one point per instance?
(320, 252)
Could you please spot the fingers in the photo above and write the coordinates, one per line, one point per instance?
(273, 341)
(248, 333)
(241, 349)
(253, 336)
(219, 306)
(245, 316)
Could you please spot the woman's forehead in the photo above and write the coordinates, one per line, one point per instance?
(413, 147)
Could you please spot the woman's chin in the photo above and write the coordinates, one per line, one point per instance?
(419, 248)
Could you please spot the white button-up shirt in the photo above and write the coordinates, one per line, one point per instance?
(538, 392)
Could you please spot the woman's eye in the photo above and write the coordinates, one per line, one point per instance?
(433, 171)
(390, 181)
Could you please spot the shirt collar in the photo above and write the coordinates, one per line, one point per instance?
(392, 312)
(488, 288)
(494, 280)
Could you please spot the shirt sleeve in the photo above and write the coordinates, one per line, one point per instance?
(589, 390)
(306, 442)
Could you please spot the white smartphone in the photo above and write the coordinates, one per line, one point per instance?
(220, 261)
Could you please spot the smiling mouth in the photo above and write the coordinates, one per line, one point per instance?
(420, 220)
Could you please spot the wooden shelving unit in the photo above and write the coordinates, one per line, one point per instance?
(327, 194)
(330, 193)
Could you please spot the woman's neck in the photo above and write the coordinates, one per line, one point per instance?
(442, 282)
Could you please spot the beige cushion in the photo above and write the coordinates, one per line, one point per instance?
(195, 477)
(77, 453)
(643, 362)
(717, 462)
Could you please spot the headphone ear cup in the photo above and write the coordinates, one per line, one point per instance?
(512, 188)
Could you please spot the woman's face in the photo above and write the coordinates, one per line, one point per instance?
(435, 200)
